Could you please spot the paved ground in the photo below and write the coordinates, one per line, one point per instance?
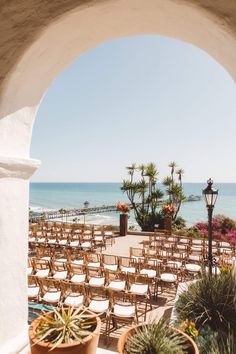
(162, 306)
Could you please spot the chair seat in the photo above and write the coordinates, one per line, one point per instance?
(127, 269)
(96, 281)
(33, 291)
(151, 273)
(60, 260)
(195, 268)
(97, 233)
(99, 306)
(46, 258)
(78, 261)
(139, 289)
(63, 242)
(51, 242)
(78, 278)
(87, 232)
(32, 239)
(74, 243)
(108, 233)
(86, 244)
(52, 297)
(41, 240)
(124, 311)
(42, 273)
(74, 300)
(94, 264)
(60, 275)
(168, 277)
(176, 264)
(98, 238)
(119, 285)
(110, 266)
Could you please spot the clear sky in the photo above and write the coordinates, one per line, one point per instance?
(139, 99)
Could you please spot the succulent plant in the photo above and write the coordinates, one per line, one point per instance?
(65, 326)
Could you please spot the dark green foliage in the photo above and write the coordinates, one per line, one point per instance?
(210, 342)
(211, 301)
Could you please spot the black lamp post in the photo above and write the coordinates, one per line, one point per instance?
(210, 195)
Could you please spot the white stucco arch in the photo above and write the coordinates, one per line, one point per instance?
(27, 71)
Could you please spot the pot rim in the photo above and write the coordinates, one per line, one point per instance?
(126, 334)
(49, 345)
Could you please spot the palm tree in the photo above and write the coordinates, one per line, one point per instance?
(180, 173)
(143, 195)
(173, 166)
(131, 169)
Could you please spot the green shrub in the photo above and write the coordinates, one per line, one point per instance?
(210, 342)
(211, 301)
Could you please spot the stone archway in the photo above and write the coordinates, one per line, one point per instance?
(40, 39)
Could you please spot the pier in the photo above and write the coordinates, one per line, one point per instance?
(65, 213)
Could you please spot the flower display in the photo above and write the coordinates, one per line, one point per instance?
(223, 228)
(169, 209)
(189, 327)
(122, 207)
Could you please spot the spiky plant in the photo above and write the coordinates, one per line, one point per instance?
(65, 326)
(156, 338)
(211, 301)
(216, 342)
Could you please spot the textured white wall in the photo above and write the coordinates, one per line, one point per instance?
(208, 25)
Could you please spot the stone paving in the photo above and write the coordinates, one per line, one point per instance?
(161, 307)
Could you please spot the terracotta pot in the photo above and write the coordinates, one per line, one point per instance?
(193, 349)
(89, 345)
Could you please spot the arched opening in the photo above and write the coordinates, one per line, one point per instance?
(54, 46)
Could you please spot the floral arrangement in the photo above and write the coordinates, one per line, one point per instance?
(168, 209)
(189, 328)
(122, 207)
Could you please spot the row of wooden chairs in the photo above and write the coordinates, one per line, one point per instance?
(86, 242)
(71, 229)
(99, 299)
(187, 247)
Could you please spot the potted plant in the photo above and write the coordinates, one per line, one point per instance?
(123, 209)
(156, 338)
(72, 331)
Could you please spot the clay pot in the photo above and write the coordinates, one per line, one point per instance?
(89, 345)
(193, 349)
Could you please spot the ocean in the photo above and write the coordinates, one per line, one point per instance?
(48, 196)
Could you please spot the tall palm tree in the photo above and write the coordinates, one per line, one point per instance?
(173, 166)
(131, 169)
(180, 173)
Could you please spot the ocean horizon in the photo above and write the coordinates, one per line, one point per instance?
(56, 195)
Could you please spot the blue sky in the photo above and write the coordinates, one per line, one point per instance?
(137, 99)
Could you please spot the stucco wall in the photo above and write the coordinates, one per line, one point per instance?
(38, 40)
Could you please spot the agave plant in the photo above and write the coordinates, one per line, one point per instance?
(156, 338)
(65, 326)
